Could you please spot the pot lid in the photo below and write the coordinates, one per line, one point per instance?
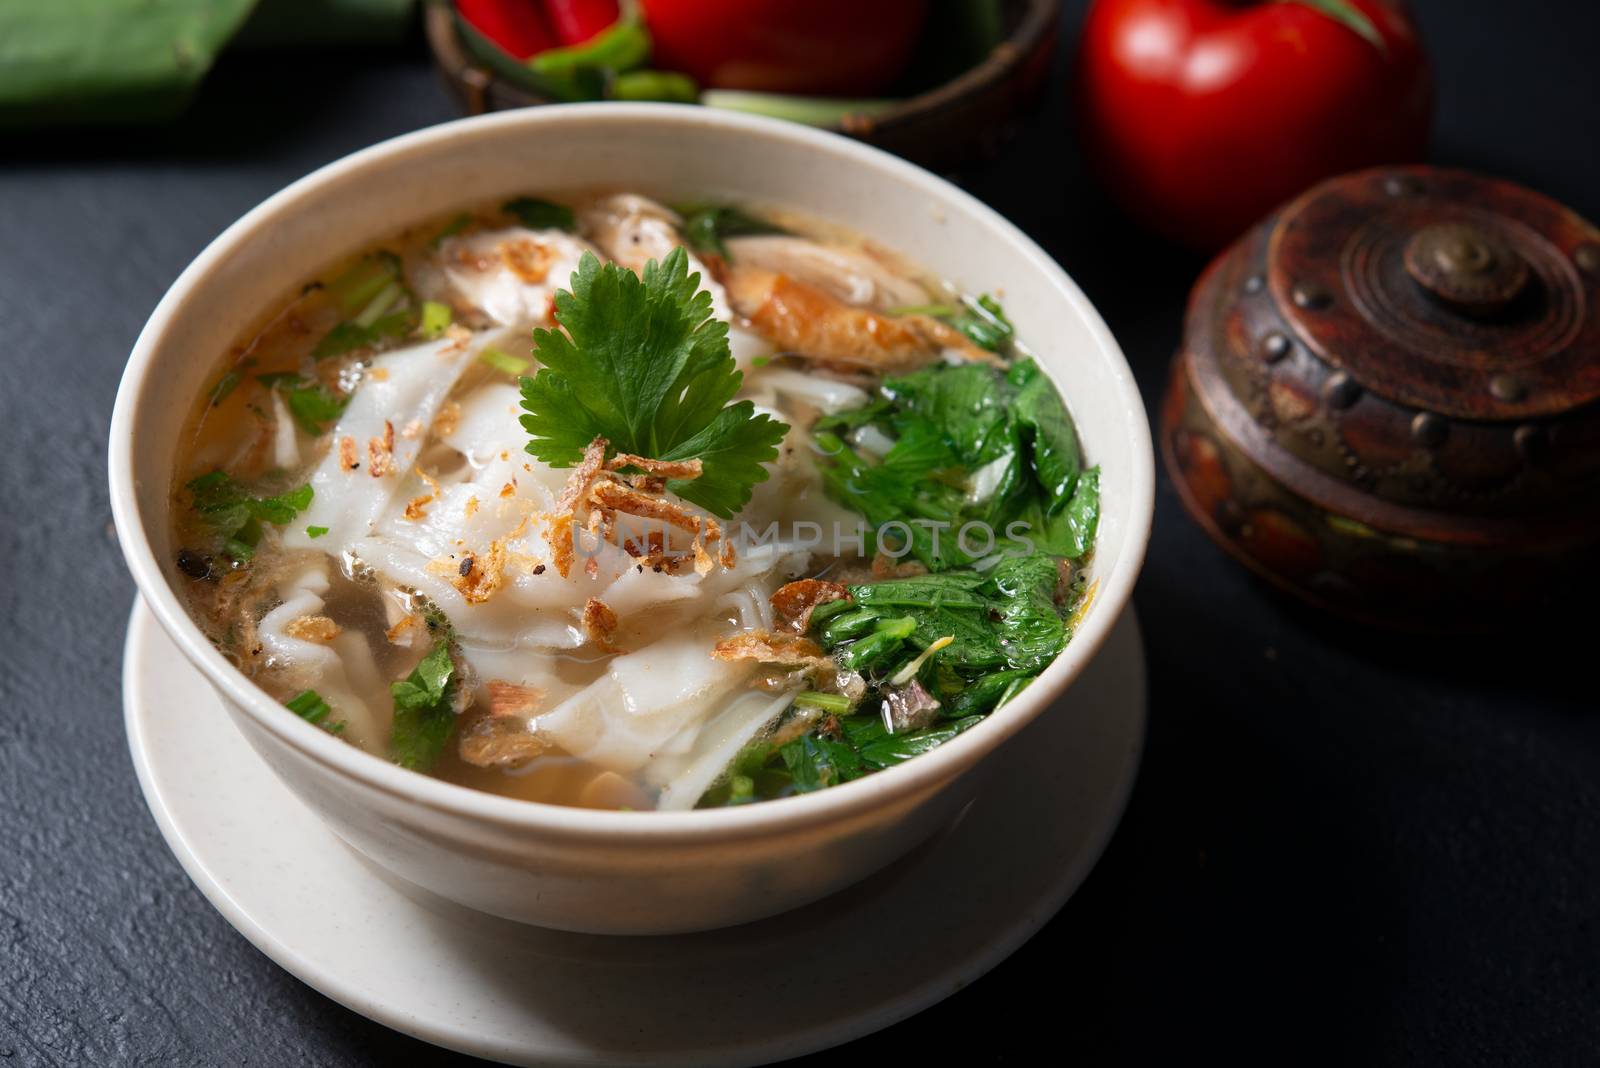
(1443, 291)
(1425, 338)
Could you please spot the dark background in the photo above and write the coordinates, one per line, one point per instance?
(1344, 847)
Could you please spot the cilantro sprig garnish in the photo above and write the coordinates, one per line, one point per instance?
(237, 516)
(647, 368)
(424, 712)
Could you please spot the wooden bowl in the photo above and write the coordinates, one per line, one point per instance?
(961, 120)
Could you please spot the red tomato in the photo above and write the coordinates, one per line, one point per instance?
(821, 47)
(1204, 115)
(575, 21)
(517, 26)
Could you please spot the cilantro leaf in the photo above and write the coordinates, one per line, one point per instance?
(424, 714)
(313, 405)
(708, 228)
(644, 365)
(236, 516)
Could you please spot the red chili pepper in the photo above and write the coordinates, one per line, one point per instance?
(575, 21)
(518, 26)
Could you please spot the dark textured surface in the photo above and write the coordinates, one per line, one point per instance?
(1343, 848)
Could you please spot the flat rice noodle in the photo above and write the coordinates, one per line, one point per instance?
(341, 671)
(409, 394)
(686, 779)
(644, 700)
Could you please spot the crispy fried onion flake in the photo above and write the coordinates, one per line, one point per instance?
(769, 647)
(600, 624)
(506, 735)
(596, 494)
(795, 601)
(787, 657)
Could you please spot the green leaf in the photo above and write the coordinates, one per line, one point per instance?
(1051, 437)
(538, 214)
(1347, 14)
(642, 364)
(815, 762)
(343, 338)
(969, 402)
(892, 749)
(424, 716)
(236, 516)
(1070, 533)
(971, 444)
(707, 228)
(107, 60)
(985, 323)
(313, 405)
(1029, 629)
(732, 450)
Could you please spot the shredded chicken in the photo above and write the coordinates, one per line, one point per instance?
(802, 318)
(853, 275)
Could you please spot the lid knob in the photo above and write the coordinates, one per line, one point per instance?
(1467, 266)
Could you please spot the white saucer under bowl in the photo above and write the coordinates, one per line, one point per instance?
(844, 967)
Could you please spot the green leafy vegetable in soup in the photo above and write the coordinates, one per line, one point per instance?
(589, 501)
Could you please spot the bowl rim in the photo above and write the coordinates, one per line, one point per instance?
(854, 799)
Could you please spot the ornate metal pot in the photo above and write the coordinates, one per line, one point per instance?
(1386, 399)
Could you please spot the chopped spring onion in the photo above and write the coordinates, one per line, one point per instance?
(436, 318)
(828, 702)
(316, 532)
(504, 361)
(810, 110)
(381, 302)
(357, 287)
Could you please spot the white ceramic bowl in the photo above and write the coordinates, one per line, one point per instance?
(619, 872)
